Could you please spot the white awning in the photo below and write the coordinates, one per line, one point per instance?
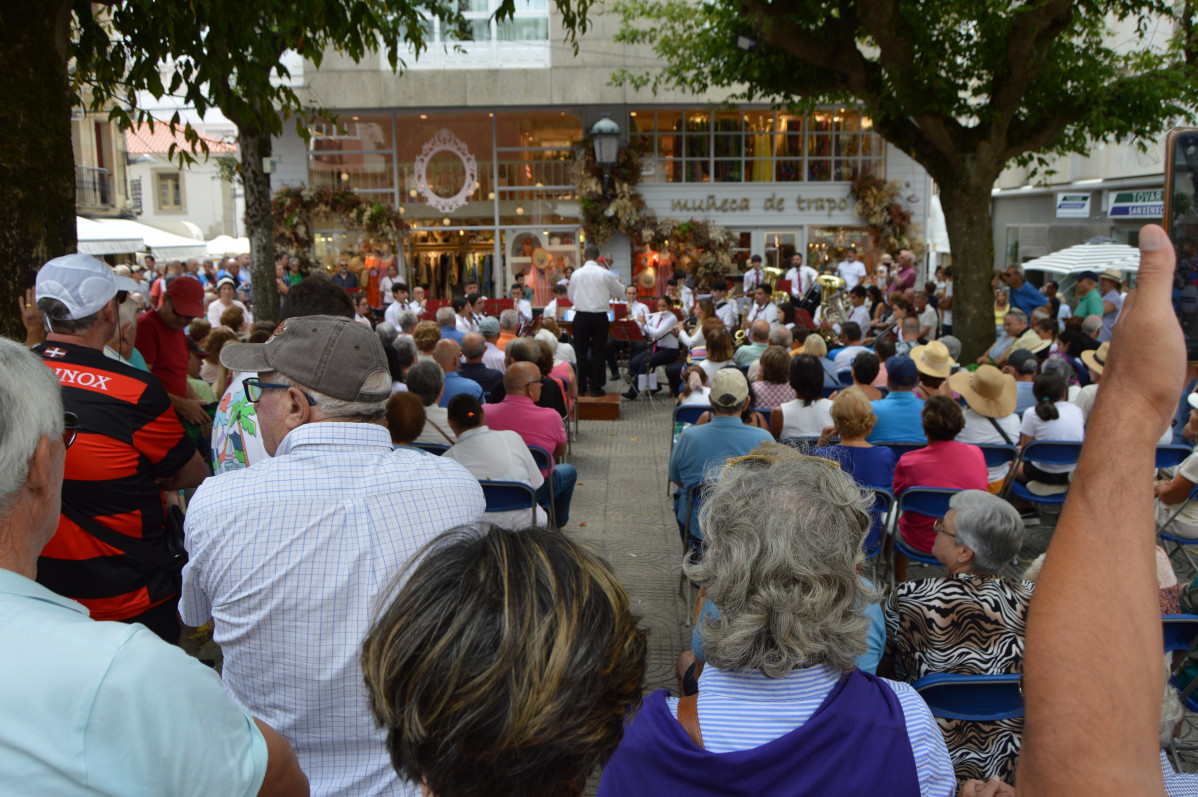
(227, 245)
(161, 243)
(1098, 255)
(96, 239)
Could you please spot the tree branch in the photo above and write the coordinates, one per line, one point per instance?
(1036, 27)
(834, 49)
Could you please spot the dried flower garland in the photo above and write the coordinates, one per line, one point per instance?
(293, 209)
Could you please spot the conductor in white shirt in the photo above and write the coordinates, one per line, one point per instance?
(851, 270)
(801, 277)
(591, 287)
(754, 276)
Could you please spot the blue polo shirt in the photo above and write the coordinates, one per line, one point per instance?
(109, 708)
(455, 383)
(898, 419)
(1027, 299)
(700, 447)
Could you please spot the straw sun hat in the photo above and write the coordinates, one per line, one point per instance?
(987, 391)
(933, 359)
(1095, 359)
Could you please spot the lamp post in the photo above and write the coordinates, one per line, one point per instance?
(606, 134)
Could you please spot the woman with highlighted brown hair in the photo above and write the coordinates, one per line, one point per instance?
(505, 665)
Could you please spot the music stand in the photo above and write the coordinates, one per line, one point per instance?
(626, 332)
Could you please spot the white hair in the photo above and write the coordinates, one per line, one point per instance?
(128, 313)
(1092, 325)
(509, 319)
(548, 338)
(360, 411)
(32, 402)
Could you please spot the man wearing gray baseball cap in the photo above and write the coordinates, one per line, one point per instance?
(289, 555)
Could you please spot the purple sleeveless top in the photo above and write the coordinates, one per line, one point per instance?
(855, 744)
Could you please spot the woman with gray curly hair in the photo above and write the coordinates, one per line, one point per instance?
(782, 708)
(970, 623)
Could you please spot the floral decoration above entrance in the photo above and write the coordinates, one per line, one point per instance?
(445, 141)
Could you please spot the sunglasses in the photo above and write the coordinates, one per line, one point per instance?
(254, 388)
(70, 428)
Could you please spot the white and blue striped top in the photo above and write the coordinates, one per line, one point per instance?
(743, 710)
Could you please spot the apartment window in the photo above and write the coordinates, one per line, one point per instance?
(521, 42)
(170, 195)
(735, 146)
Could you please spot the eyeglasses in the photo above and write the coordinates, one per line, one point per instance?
(939, 528)
(70, 428)
(254, 388)
(535, 382)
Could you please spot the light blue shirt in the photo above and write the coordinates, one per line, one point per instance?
(289, 557)
(455, 383)
(108, 708)
(708, 446)
(1024, 397)
(743, 710)
(899, 419)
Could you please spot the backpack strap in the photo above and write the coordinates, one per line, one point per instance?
(1001, 431)
(688, 718)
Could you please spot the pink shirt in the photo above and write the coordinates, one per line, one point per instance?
(946, 463)
(538, 426)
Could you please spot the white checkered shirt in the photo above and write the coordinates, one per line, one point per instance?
(289, 556)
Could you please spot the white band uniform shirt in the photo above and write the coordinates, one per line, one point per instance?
(524, 309)
(391, 314)
(726, 312)
(753, 278)
(860, 315)
(592, 287)
(801, 280)
(638, 312)
(663, 328)
(289, 557)
(767, 313)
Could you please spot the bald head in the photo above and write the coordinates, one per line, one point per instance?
(446, 354)
(518, 375)
(761, 330)
(473, 347)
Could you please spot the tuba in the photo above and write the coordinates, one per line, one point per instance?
(831, 299)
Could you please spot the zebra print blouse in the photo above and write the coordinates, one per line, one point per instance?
(969, 625)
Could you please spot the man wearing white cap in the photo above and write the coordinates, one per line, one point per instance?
(701, 447)
(130, 446)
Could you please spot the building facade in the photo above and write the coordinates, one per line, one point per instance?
(477, 146)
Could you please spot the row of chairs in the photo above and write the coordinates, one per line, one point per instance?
(505, 496)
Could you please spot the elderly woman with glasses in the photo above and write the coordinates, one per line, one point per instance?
(971, 622)
(782, 708)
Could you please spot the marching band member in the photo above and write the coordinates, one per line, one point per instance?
(725, 310)
(662, 332)
(801, 277)
(523, 306)
(754, 276)
(638, 312)
(761, 307)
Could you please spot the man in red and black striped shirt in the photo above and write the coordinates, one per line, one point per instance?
(130, 447)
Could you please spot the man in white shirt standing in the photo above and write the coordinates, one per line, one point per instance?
(323, 550)
(761, 308)
(523, 306)
(399, 303)
(801, 277)
(591, 288)
(851, 270)
(724, 309)
(754, 276)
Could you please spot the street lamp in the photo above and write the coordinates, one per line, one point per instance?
(607, 143)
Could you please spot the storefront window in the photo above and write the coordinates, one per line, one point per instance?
(754, 145)
(826, 246)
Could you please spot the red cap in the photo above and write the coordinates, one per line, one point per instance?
(187, 296)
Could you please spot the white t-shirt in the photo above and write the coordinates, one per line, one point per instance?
(1188, 519)
(851, 272)
(978, 429)
(216, 308)
(702, 396)
(929, 318)
(800, 421)
(948, 294)
(1068, 427)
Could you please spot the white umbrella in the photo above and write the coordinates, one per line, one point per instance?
(96, 239)
(1096, 255)
(228, 245)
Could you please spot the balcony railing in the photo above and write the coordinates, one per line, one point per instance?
(92, 187)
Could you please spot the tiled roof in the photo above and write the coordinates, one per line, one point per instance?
(141, 140)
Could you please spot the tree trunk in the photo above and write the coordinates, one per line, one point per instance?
(37, 161)
(256, 146)
(966, 206)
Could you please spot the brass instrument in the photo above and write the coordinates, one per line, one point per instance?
(739, 337)
(832, 310)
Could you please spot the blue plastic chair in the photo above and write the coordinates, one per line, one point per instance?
(828, 391)
(997, 454)
(544, 461)
(433, 448)
(1170, 456)
(931, 501)
(509, 496)
(1050, 452)
(902, 448)
(695, 495)
(976, 698)
(845, 378)
(881, 512)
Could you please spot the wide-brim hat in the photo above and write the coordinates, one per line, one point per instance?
(1112, 274)
(987, 391)
(1095, 359)
(541, 257)
(1041, 346)
(933, 359)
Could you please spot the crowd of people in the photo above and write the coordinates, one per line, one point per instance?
(418, 638)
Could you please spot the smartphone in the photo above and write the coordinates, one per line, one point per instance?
(1181, 223)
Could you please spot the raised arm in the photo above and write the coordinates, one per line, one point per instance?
(1093, 665)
